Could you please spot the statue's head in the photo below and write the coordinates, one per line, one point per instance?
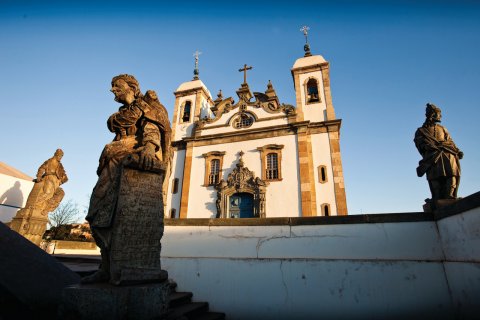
(59, 153)
(433, 113)
(125, 88)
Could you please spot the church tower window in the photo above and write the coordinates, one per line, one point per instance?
(326, 209)
(322, 174)
(213, 167)
(175, 185)
(271, 158)
(312, 91)
(186, 111)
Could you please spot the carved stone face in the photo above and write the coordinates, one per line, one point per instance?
(123, 93)
(437, 116)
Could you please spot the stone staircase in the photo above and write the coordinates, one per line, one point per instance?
(182, 307)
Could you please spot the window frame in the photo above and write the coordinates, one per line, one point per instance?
(307, 101)
(182, 113)
(322, 168)
(264, 152)
(209, 157)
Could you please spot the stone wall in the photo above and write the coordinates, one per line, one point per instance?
(366, 266)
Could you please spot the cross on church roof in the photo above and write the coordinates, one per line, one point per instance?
(306, 47)
(244, 69)
(195, 71)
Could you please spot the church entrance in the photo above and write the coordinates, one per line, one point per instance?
(241, 205)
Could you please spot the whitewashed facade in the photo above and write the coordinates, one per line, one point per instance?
(255, 156)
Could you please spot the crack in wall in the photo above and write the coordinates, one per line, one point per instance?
(283, 282)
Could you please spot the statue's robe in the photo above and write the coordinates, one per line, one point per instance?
(439, 152)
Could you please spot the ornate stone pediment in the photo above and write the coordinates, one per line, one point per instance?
(241, 180)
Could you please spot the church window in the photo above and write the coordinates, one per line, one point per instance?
(326, 209)
(175, 186)
(214, 172)
(312, 91)
(186, 110)
(213, 167)
(271, 160)
(172, 213)
(272, 166)
(244, 120)
(322, 174)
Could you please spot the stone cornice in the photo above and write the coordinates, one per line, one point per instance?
(261, 133)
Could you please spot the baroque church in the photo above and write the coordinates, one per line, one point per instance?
(257, 157)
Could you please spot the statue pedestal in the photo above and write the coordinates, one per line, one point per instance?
(432, 206)
(105, 301)
(138, 228)
(30, 223)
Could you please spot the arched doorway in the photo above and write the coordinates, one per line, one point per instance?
(241, 205)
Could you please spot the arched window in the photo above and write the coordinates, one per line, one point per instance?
(186, 111)
(322, 174)
(214, 175)
(245, 120)
(312, 91)
(326, 209)
(172, 213)
(272, 166)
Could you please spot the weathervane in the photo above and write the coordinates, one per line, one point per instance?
(195, 71)
(306, 47)
(244, 69)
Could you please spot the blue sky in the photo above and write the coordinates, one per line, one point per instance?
(387, 59)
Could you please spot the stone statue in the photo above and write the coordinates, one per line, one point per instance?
(440, 156)
(45, 197)
(126, 206)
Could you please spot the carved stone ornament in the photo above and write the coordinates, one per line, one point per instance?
(241, 180)
(267, 101)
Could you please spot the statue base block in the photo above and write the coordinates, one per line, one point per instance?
(104, 301)
(432, 205)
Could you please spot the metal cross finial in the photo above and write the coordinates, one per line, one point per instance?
(305, 29)
(195, 71)
(244, 69)
(306, 47)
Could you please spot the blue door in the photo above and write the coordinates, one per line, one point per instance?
(241, 205)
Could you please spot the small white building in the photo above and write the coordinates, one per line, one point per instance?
(256, 156)
(15, 186)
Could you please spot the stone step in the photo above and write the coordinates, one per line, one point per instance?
(179, 298)
(188, 311)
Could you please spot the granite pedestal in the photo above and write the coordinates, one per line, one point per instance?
(107, 302)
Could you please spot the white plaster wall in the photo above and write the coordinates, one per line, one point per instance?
(282, 197)
(361, 271)
(183, 130)
(375, 241)
(13, 195)
(325, 192)
(173, 200)
(315, 112)
(226, 118)
(461, 236)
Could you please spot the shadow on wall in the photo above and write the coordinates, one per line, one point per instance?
(13, 197)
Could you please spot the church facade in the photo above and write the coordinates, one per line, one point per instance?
(257, 157)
